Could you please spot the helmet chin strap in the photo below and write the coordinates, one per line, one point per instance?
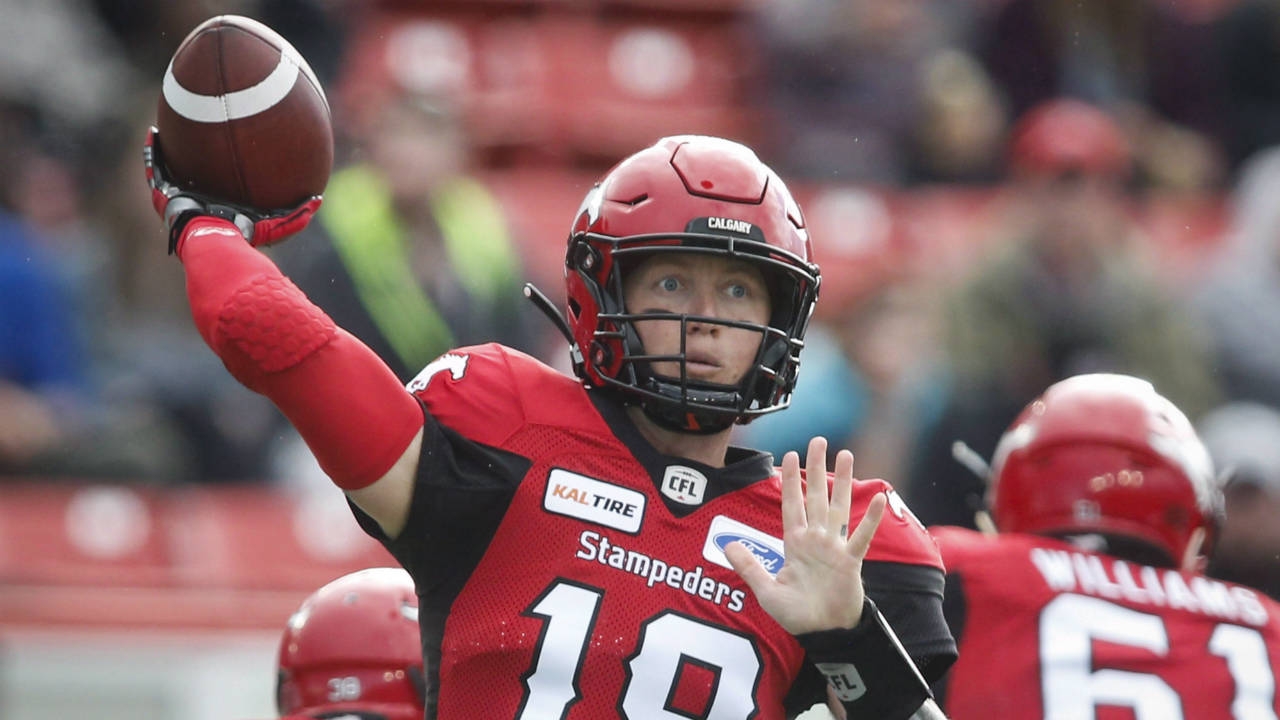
(543, 303)
(679, 419)
(676, 416)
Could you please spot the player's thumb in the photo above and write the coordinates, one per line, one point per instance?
(747, 566)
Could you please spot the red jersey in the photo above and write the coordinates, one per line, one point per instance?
(567, 570)
(1048, 631)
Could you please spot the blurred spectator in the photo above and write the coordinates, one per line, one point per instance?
(847, 84)
(57, 57)
(55, 296)
(1239, 299)
(1153, 60)
(148, 31)
(960, 132)
(413, 255)
(1107, 52)
(151, 365)
(40, 369)
(53, 419)
(1249, 44)
(872, 382)
(1063, 293)
(1244, 440)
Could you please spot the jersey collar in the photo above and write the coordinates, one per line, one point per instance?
(743, 466)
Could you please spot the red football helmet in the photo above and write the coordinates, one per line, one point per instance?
(354, 646)
(1105, 454)
(688, 194)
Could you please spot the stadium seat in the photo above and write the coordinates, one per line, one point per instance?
(617, 86)
(106, 556)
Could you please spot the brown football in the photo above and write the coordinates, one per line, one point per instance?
(242, 117)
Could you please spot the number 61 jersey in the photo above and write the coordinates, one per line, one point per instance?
(1048, 631)
(565, 569)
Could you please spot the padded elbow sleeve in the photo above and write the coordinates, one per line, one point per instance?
(344, 401)
(268, 325)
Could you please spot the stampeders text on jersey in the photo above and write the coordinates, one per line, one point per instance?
(598, 548)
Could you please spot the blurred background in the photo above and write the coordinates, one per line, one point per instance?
(1002, 193)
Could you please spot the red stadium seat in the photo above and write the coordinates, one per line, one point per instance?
(255, 539)
(540, 204)
(84, 535)
(618, 86)
(491, 66)
(110, 556)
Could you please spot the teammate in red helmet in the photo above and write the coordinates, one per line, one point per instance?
(1090, 603)
(594, 547)
(352, 650)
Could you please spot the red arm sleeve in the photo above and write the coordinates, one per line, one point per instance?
(344, 401)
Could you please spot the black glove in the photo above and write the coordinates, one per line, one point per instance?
(178, 207)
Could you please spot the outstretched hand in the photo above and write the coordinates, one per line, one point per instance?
(820, 585)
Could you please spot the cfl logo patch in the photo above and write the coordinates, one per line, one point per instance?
(844, 679)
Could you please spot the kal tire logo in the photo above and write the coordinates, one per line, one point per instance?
(597, 501)
(724, 530)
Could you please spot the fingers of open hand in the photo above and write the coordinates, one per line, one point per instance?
(744, 563)
(815, 473)
(841, 495)
(860, 540)
(793, 516)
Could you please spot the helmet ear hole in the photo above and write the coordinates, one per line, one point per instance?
(586, 258)
(575, 309)
(600, 354)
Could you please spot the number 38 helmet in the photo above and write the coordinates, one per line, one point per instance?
(688, 194)
(1105, 454)
(353, 649)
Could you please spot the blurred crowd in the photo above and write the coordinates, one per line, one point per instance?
(1069, 120)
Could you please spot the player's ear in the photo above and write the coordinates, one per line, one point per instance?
(1192, 559)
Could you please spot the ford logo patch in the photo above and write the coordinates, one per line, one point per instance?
(771, 559)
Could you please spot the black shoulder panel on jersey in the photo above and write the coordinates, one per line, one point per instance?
(461, 493)
(911, 597)
(460, 496)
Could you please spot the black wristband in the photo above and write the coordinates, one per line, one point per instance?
(183, 209)
(868, 668)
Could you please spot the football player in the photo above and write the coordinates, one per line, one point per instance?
(352, 651)
(593, 547)
(1089, 602)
